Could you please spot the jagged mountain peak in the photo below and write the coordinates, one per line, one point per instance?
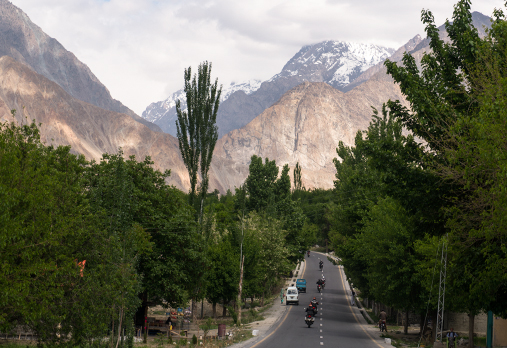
(335, 62)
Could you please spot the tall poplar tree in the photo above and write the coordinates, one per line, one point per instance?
(196, 127)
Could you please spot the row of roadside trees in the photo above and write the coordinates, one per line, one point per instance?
(430, 175)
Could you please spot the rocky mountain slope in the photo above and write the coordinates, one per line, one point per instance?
(24, 41)
(334, 62)
(304, 126)
(89, 130)
(307, 123)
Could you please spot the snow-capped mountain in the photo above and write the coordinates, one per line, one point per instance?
(334, 62)
(163, 113)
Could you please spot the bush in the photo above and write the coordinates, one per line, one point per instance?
(194, 340)
(233, 314)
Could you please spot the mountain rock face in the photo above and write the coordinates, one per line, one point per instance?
(333, 62)
(304, 126)
(24, 41)
(88, 129)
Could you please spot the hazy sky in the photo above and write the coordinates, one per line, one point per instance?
(139, 48)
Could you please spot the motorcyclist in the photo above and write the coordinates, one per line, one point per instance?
(383, 319)
(308, 252)
(310, 310)
(319, 285)
(321, 264)
(315, 304)
(323, 281)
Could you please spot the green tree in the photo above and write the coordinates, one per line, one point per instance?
(196, 127)
(260, 184)
(43, 223)
(266, 255)
(298, 182)
(127, 194)
(386, 245)
(222, 280)
(455, 101)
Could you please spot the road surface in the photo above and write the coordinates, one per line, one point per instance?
(338, 324)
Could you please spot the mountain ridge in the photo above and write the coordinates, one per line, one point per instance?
(24, 41)
(341, 61)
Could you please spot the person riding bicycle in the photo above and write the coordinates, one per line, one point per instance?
(383, 318)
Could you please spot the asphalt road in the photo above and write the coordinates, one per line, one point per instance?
(338, 324)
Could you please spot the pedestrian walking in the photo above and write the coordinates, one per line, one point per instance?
(282, 295)
(451, 337)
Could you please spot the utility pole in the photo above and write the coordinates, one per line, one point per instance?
(441, 292)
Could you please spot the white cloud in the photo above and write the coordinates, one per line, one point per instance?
(139, 48)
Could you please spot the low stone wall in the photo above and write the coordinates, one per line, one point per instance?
(459, 321)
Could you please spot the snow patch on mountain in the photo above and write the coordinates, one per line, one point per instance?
(156, 111)
(337, 63)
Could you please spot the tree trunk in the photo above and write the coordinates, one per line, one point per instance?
(421, 324)
(224, 309)
(471, 320)
(214, 310)
(194, 311)
(202, 309)
(240, 288)
(145, 337)
(405, 328)
(434, 324)
(112, 329)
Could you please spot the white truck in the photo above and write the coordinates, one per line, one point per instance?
(292, 295)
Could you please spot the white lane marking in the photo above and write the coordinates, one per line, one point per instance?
(320, 318)
(321, 337)
(320, 324)
(321, 343)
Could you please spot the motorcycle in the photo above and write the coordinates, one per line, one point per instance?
(315, 310)
(319, 288)
(309, 320)
(382, 326)
(321, 265)
(308, 253)
(323, 284)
